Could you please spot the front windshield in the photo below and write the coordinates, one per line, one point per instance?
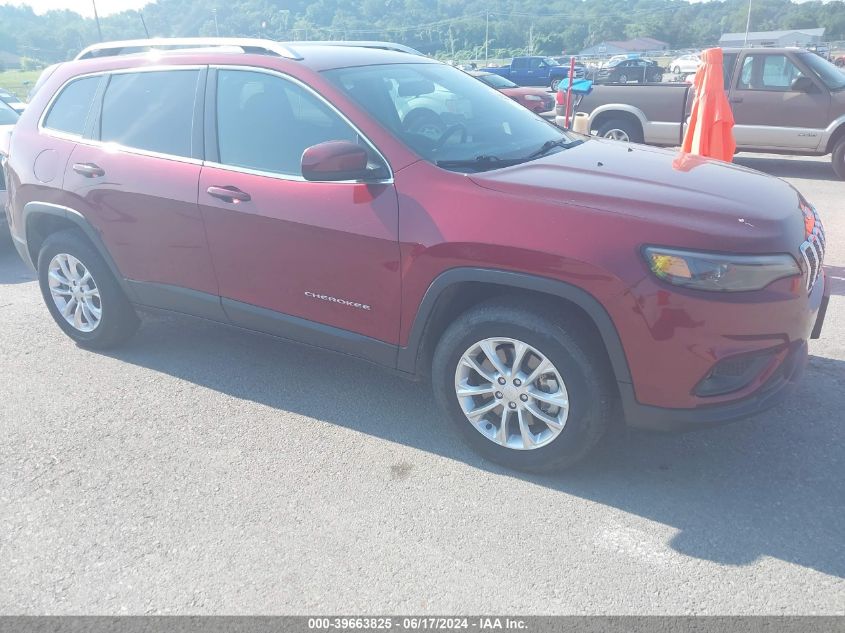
(497, 81)
(7, 115)
(448, 117)
(832, 77)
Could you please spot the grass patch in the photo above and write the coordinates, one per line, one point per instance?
(18, 82)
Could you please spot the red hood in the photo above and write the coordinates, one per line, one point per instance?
(516, 93)
(711, 198)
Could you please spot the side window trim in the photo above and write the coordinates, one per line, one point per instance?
(197, 123)
(210, 126)
(212, 151)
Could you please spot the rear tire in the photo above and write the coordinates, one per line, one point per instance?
(554, 85)
(838, 158)
(74, 278)
(620, 130)
(578, 379)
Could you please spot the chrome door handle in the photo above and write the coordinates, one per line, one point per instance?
(228, 194)
(89, 170)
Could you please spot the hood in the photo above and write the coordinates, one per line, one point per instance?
(527, 90)
(521, 93)
(694, 194)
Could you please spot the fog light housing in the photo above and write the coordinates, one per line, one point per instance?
(735, 372)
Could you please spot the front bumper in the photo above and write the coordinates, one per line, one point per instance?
(777, 389)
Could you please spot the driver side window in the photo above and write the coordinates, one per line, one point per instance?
(265, 122)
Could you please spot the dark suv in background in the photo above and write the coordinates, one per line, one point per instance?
(311, 192)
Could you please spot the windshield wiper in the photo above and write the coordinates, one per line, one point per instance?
(546, 147)
(483, 161)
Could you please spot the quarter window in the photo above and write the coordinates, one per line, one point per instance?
(70, 109)
(265, 122)
(152, 111)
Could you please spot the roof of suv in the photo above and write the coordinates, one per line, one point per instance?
(317, 55)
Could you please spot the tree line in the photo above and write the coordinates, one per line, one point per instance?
(446, 28)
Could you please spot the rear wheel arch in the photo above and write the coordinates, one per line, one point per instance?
(460, 289)
(42, 219)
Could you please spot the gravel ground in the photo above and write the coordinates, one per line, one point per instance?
(203, 470)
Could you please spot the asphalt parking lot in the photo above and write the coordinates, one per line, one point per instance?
(204, 470)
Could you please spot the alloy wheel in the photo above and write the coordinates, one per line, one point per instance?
(74, 292)
(617, 135)
(511, 393)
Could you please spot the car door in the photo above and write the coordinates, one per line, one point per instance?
(291, 255)
(136, 178)
(769, 111)
(520, 71)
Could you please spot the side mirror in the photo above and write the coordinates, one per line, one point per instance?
(335, 160)
(803, 84)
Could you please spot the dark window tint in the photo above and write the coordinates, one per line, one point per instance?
(71, 108)
(152, 111)
(265, 122)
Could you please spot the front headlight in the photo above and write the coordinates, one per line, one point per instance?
(719, 273)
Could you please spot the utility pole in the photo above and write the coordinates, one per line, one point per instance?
(216, 26)
(747, 24)
(97, 18)
(486, 37)
(144, 24)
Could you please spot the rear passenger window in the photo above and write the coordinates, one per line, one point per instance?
(70, 109)
(152, 111)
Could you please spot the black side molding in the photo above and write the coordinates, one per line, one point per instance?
(301, 330)
(407, 357)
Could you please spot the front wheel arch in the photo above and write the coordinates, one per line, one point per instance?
(457, 290)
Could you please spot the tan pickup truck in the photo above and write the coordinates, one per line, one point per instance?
(784, 100)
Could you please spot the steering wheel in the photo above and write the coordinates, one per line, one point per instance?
(450, 132)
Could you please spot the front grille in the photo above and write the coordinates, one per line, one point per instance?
(812, 249)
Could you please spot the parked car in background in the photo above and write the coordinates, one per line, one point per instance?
(684, 64)
(541, 282)
(537, 100)
(12, 101)
(785, 100)
(624, 70)
(536, 70)
(822, 50)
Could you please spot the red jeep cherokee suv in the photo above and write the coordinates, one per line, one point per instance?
(373, 202)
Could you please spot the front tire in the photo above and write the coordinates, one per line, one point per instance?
(81, 293)
(677, 70)
(838, 158)
(525, 389)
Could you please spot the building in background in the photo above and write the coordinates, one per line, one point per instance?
(777, 39)
(636, 45)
